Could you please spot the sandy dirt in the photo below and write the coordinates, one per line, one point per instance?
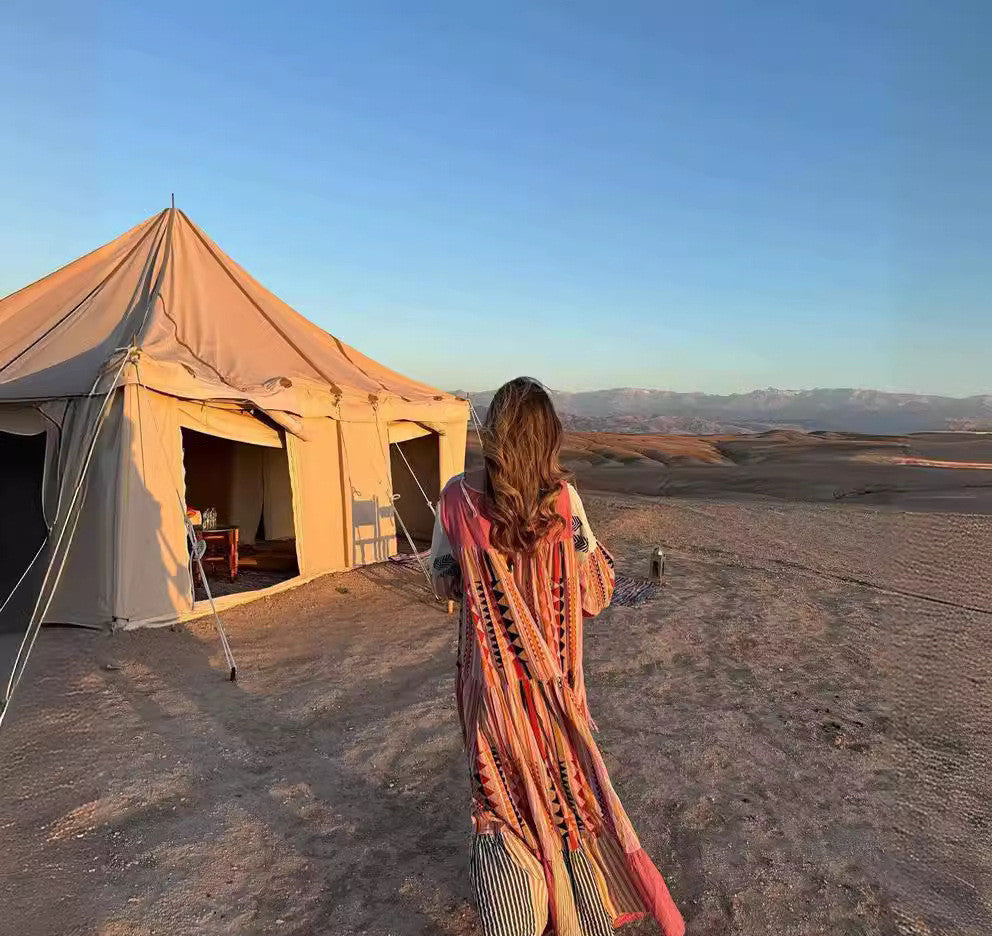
(804, 747)
(944, 472)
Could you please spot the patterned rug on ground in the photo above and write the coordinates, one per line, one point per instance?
(629, 591)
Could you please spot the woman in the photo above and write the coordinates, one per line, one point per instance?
(553, 847)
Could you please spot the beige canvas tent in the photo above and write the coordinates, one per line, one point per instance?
(155, 366)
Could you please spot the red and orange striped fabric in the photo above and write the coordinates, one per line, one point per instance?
(553, 843)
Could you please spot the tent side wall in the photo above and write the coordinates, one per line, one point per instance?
(315, 471)
(369, 524)
(152, 583)
(128, 562)
(84, 591)
(454, 435)
(369, 520)
(82, 548)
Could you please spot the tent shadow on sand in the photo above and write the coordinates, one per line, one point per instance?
(254, 811)
(366, 841)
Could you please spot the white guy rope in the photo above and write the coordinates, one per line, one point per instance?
(475, 419)
(399, 448)
(24, 574)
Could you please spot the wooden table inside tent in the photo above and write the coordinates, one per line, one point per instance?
(222, 548)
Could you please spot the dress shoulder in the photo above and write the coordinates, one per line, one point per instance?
(574, 500)
(453, 482)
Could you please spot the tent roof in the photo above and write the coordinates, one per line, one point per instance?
(205, 329)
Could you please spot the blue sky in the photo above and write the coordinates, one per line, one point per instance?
(706, 196)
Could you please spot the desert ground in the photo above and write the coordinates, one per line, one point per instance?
(799, 725)
(830, 467)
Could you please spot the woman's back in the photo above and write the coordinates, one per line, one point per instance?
(514, 544)
(532, 604)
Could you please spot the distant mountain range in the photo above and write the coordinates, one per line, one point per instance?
(864, 411)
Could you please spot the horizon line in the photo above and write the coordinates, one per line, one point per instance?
(820, 389)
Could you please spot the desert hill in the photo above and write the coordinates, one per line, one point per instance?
(846, 410)
(928, 471)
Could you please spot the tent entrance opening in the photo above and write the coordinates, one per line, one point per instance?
(254, 543)
(23, 528)
(412, 461)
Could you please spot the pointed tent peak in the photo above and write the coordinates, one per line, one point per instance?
(207, 329)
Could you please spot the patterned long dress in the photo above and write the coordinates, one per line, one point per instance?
(553, 847)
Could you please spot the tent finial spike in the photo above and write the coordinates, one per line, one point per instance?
(173, 201)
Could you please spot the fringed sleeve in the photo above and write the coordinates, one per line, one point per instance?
(596, 571)
(596, 581)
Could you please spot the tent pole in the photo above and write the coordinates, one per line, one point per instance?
(198, 548)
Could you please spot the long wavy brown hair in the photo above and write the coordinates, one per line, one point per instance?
(521, 443)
